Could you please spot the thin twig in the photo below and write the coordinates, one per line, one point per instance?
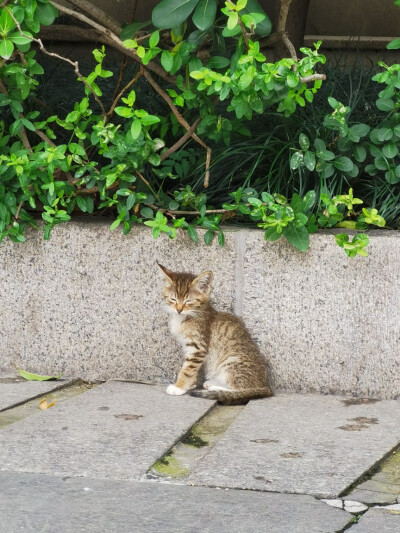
(110, 38)
(44, 137)
(133, 80)
(173, 212)
(182, 122)
(75, 64)
(18, 210)
(181, 141)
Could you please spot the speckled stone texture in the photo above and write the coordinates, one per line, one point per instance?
(326, 322)
(88, 302)
(301, 443)
(114, 431)
(378, 519)
(33, 503)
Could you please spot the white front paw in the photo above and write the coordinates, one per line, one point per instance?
(175, 391)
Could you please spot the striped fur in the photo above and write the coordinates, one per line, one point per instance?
(234, 369)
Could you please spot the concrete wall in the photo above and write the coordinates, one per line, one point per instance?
(88, 303)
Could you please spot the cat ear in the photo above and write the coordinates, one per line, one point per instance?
(203, 282)
(168, 274)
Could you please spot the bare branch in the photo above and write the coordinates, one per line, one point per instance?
(110, 38)
(313, 77)
(173, 212)
(181, 141)
(182, 122)
(289, 46)
(283, 15)
(98, 14)
(62, 32)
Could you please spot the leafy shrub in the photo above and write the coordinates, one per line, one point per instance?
(116, 160)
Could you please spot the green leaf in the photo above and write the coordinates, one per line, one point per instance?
(204, 14)
(271, 234)
(129, 31)
(264, 27)
(170, 13)
(146, 212)
(208, 236)
(46, 13)
(232, 20)
(390, 150)
(221, 238)
(6, 48)
(36, 377)
(296, 160)
(192, 233)
(385, 104)
(136, 128)
(218, 62)
(309, 160)
(167, 61)
(393, 45)
(298, 237)
(304, 141)
(19, 39)
(154, 39)
(81, 203)
(115, 224)
(297, 203)
(149, 120)
(6, 23)
(343, 163)
(360, 130)
(292, 79)
(359, 153)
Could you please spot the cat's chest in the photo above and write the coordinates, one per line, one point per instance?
(176, 327)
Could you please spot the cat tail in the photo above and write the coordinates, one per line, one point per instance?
(232, 397)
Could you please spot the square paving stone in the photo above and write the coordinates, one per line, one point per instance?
(307, 444)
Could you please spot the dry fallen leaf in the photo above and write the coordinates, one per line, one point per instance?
(44, 405)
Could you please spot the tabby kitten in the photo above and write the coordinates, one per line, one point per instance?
(235, 371)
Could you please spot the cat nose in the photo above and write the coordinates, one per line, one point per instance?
(179, 309)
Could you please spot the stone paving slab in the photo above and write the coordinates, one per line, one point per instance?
(32, 503)
(378, 519)
(15, 390)
(114, 431)
(307, 444)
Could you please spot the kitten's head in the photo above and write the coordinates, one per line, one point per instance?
(184, 293)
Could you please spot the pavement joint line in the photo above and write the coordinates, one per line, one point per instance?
(368, 474)
(151, 474)
(32, 401)
(36, 396)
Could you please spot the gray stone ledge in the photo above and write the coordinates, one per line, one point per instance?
(88, 303)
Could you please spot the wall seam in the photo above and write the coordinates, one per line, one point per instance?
(239, 273)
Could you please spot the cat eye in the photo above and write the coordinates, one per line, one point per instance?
(173, 300)
(188, 302)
